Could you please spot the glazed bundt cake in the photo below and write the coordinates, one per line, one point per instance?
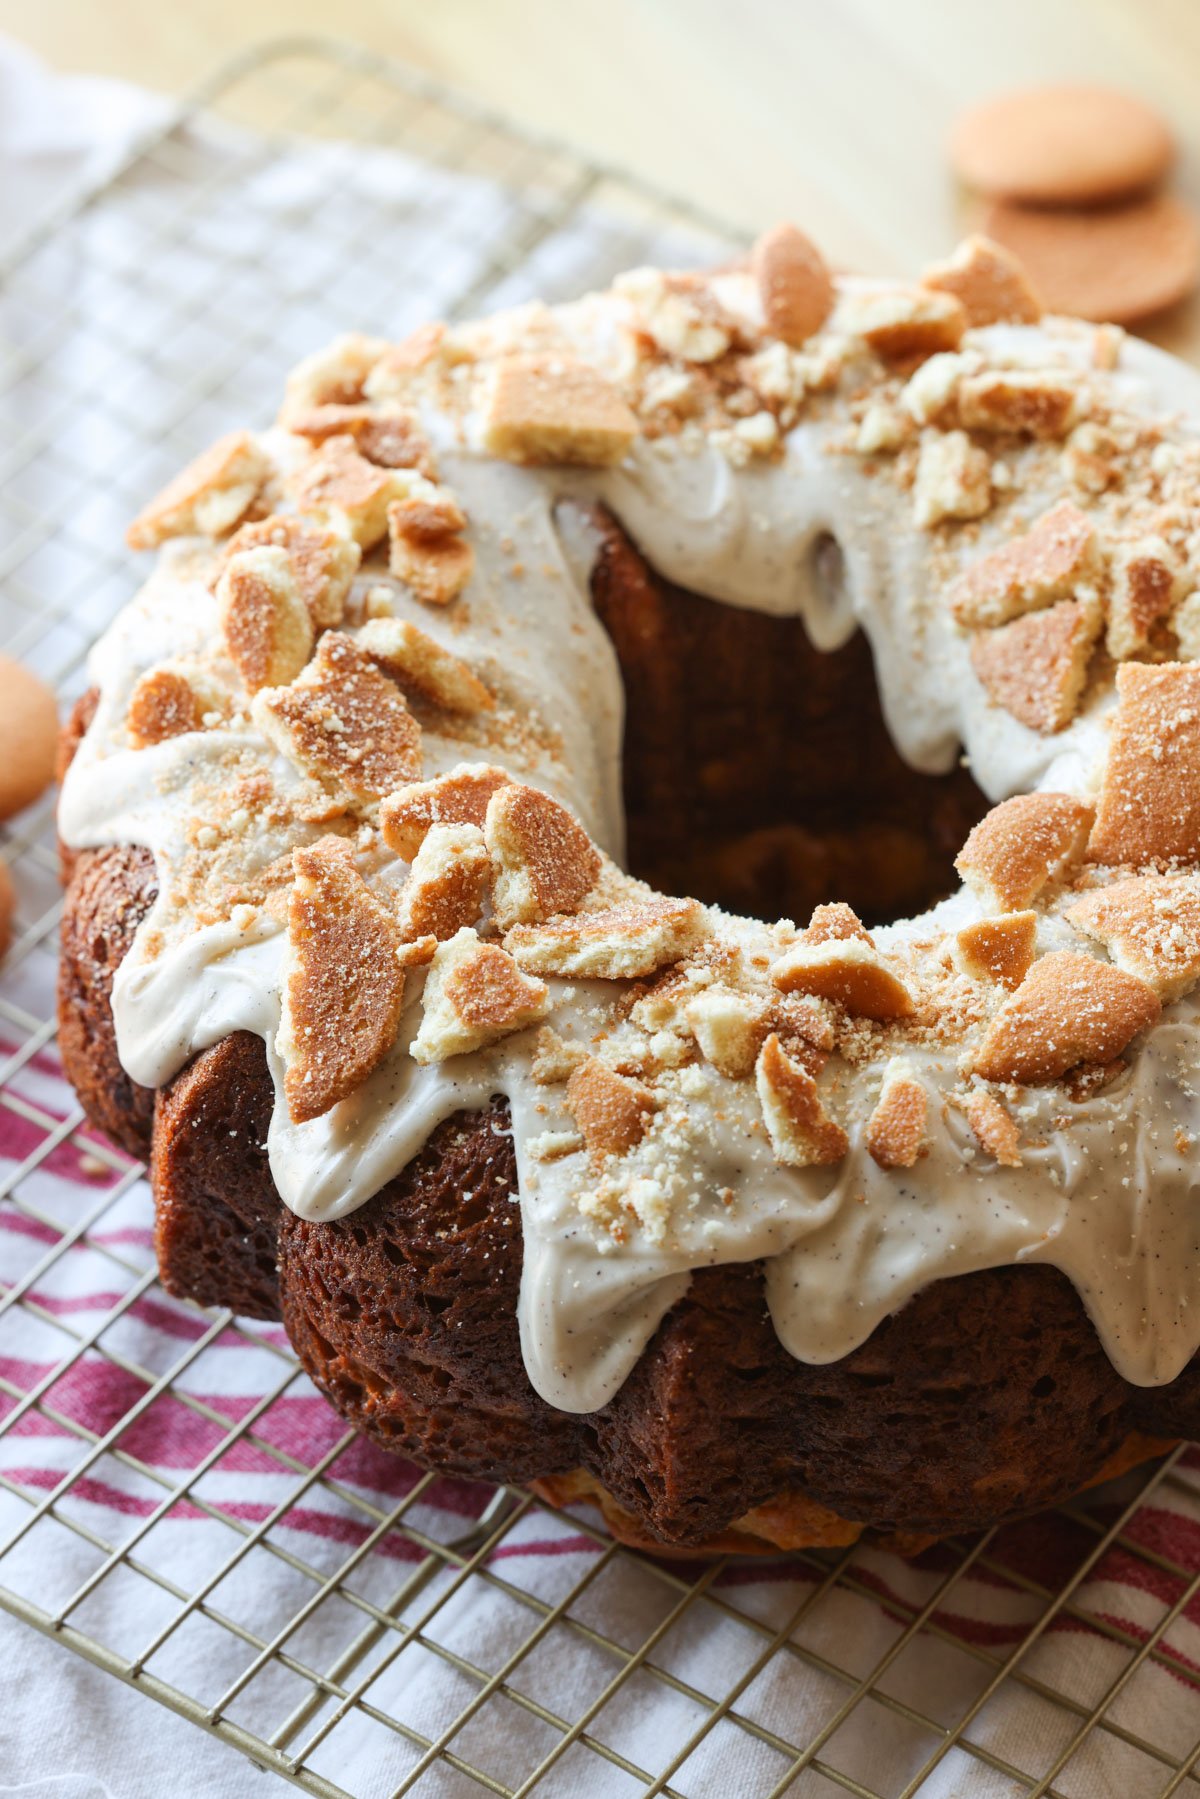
(754, 1215)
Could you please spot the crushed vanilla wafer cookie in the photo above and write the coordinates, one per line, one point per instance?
(445, 890)
(1147, 582)
(474, 995)
(208, 498)
(418, 662)
(994, 1128)
(611, 1110)
(1068, 1009)
(556, 409)
(953, 480)
(1036, 666)
(988, 282)
(459, 797)
(324, 562)
(335, 376)
(1149, 806)
(801, 1131)
(343, 984)
(1022, 846)
(545, 860)
(343, 722)
(901, 323)
(730, 1029)
(623, 942)
(1045, 564)
(1036, 402)
(266, 624)
(341, 489)
(1150, 926)
(170, 700)
(896, 1130)
(427, 548)
(679, 315)
(794, 287)
(848, 970)
(996, 949)
(386, 434)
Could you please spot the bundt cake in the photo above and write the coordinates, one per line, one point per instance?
(751, 1215)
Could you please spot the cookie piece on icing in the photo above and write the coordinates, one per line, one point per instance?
(802, 1133)
(899, 323)
(387, 434)
(994, 1128)
(795, 290)
(343, 985)
(1069, 1009)
(265, 622)
(1026, 402)
(207, 498)
(337, 375)
(1044, 564)
(896, 1129)
(474, 995)
(730, 1029)
(1147, 581)
(414, 659)
(555, 409)
(343, 723)
(621, 943)
(611, 1110)
(426, 546)
(989, 283)
(324, 562)
(346, 492)
(953, 479)
(545, 860)
(1149, 807)
(169, 701)
(1036, 667)
(996, 949)
(1150, 926)
(458, 798)
(1021, 846)
(847, 970)
(445, 890)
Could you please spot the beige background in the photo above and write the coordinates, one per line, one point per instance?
(829, 111)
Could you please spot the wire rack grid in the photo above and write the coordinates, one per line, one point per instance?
(176, 1505)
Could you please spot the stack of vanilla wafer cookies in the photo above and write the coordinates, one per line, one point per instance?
(1072, 179)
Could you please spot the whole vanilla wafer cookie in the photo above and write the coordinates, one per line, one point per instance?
(28, 736)
(1066, 145)
(1114, 263)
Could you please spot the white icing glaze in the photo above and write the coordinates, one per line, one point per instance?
(1105, 1194)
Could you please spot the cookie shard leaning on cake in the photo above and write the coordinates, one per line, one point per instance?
(365, 721)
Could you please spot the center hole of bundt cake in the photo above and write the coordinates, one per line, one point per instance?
(759, 774)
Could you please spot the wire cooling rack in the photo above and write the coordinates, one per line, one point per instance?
(176, 1504)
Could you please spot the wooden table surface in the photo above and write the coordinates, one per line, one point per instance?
(832, 112)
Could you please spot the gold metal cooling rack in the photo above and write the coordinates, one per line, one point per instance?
(176, 1505)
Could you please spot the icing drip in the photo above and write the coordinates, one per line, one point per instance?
(1105, 1189)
